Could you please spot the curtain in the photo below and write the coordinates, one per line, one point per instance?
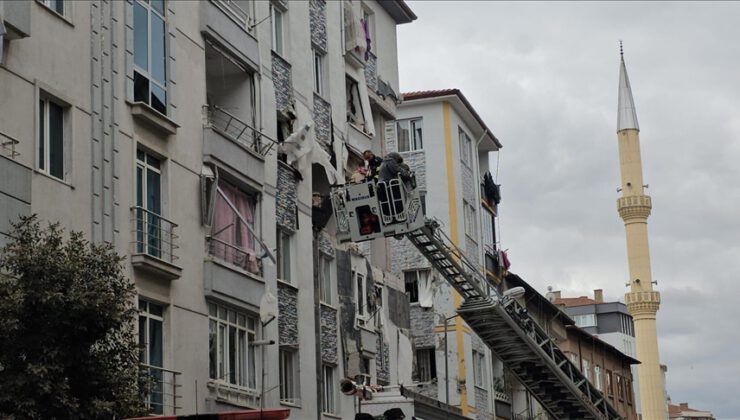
(234, 242)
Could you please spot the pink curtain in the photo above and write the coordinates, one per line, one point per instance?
(229, 229)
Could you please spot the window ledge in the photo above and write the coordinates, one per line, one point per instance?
(155, 266)
(328, 305)
(290, 404)
(234, 268)
(153, 118)
(286, 284)
(234, 394)
(332, 416)
(359, 130)
(64, 18)
(53, 178)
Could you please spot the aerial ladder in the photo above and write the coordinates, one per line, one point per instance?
(370, 210)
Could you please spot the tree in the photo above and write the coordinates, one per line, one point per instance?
(68, 349)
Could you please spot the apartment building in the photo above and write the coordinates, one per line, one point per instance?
(447, 144)
(201, 138)
(608, 368)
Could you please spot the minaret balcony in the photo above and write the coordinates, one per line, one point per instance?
(634, 207)
(647, 302)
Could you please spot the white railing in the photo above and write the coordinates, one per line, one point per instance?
(162, 394)
(154, 235)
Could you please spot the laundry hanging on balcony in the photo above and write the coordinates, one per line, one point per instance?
(354, 35)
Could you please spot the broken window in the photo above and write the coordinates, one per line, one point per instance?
(231, 240)
(426, 365)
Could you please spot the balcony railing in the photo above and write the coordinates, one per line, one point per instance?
(239, 131)
(154, 235)
(234, 255)
(231, 8)
(162, 396)
(7, 146)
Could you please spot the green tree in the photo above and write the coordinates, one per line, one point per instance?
(67, 343)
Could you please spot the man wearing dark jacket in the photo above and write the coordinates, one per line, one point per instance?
(373, 163)
(392, 167)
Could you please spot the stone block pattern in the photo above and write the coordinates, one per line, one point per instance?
(285, 201)
(371, 72)
(287, 315)
(417, 162)
(317, 11)
(422, 326)
(322, 120)
(282, 79)
(329, 335)
(469, 186)
(382, 360)
(481, 404)
(404, 256)
(471, 249)
(325, 246)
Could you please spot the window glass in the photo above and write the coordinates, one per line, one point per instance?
(42, 135)
(231, 358)
(329, 405)
(409, 134)
(141, 36)
(158, 56)
(412, 285)
(426, 365)
(56, 140)
(277, 30)
(325, 273)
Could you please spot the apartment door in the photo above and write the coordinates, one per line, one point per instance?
(149, 204)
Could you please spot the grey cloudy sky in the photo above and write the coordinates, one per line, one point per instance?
(544, 77)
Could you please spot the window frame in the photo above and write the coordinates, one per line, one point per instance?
(148, 73)
(278, 34)
(352, 90)
(417, 274)
(466, 148)
(470, 219)
(245, 376)
(44, 140)
(582, 320)
(329, 397)
(48, 5)
(325, 289)
(597, 377)
(284, 266)
(361, 298)
(479, 370)
(414, 126)
(426, 364)
(155, 396)
(319, 73)
(289, 377)
(609, 383)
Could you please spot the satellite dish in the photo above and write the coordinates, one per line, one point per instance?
(268, 307)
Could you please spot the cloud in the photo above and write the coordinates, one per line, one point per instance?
(544, 78)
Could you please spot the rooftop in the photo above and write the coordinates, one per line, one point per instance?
(576, 301)
(399, 10)
(682, 410)
(440, 93)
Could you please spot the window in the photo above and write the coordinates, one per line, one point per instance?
(231, 240)
(148, 204)
(574, 359)
(277, 29)
(51, 138)
(586, 369)
(466, 148)
(355, 113)
(471, 220)
(318, 72)
(628, 389)
(423, 199)
(609, 386)
(325, 273)
(150, 55)
(231, 359)
(426, 365)
(620, 386)
(55, 5)
(368, 18)
(289, 379)
(151, 344)
(329, 400)
(479, 368)
(409, 134)
(587, 320)
(597, 377)
(283, 255)
(412, 279)
(360, 298)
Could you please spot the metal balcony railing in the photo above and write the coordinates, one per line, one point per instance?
(162, 396)
(7, 146)
(234, 255)
(231, 8)
(154, 235)
(238, 131)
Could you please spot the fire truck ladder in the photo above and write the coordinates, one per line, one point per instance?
(512, 335)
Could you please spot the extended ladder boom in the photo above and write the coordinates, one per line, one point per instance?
(367, 210)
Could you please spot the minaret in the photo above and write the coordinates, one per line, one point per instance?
(634, 208)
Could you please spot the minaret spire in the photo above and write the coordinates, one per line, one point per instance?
(634, 208)
(626, 113)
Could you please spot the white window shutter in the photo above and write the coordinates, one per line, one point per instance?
(391, 143)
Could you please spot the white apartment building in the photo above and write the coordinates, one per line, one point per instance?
(164, 127)
(446, 143)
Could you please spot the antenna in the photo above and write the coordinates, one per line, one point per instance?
(621, 50)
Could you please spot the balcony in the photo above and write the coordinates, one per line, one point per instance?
(229, 25)
(162, 396)
(236, 143)
(154, 244)
(16, 16)
(232, 274)
(7, 146)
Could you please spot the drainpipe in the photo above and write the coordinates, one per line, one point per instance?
(317, 324)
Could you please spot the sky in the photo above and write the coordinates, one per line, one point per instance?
(544, 78)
